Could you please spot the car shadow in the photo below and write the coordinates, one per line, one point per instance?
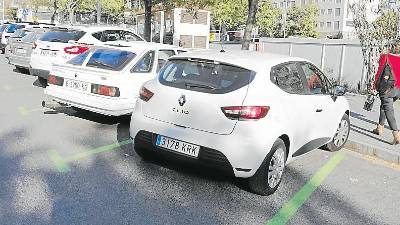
(363, 118)
(367, 133)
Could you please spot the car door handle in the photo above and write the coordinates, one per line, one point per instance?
(318, 110)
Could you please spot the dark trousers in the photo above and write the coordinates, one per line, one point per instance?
(387, 110)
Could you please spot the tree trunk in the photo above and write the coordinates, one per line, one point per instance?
(71, 15)
(98, 9)
(147, 19)
(251, 20)
(53, 16)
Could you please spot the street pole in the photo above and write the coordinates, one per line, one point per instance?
(98, 7)
(3, 12)
(284, 18)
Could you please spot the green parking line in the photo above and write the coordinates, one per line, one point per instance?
(291, 207)
(61, 163)
(24, 111)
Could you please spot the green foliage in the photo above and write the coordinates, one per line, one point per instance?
(267, 18)
(232, 13)
(385, 26)
(113, 8)
(301, 21)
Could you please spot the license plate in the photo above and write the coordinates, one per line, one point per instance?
(20, 51)
(178, 146)
(77, 85)
(48, 53)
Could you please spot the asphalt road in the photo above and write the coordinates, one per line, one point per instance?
(113, 187)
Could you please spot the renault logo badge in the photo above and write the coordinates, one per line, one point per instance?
(182, 100)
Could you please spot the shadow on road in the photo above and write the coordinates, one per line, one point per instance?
(367, 133)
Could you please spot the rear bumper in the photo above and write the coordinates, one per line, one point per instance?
(244, 149)
(20, 61)
(94, 103)
(40, 73)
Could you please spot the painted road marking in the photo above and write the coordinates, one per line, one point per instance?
(24, 111)
(291, 207)
(62, 163)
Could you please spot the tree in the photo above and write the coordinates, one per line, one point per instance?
(113, 8)
(251, 20)
(374, 35)
(301, 21)
(267, 18)
(55, 12)
(229, 13)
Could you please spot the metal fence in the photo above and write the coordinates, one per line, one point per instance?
(341, 60)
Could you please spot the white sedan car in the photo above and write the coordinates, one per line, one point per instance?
(62, 44)
(107, 79)
(247, 113)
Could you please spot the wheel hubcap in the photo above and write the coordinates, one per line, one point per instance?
(276, 166)
(341, 133)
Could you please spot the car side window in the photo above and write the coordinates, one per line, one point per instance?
(316, 82)
(163, 56)
(145, 64)
(287, 77)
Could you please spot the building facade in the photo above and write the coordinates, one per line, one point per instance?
(335, 17)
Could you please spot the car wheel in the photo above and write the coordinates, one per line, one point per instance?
(268, 177)
(341, 135)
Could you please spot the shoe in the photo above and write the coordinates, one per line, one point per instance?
(396, 136)
(378, 130)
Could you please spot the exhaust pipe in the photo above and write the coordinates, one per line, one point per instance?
(51, 104)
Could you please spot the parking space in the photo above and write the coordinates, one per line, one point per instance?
(62, 166)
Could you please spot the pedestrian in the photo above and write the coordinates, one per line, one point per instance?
(388, 93)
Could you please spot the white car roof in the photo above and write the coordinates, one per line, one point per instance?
(138, 46)
(251, 60)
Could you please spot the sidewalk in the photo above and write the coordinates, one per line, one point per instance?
(361, 138)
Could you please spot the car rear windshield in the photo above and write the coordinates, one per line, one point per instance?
(13, 27)
(204, 76)
(31, 37)
(110, 59)
(19, 33)
(62, 36)
(79, 59)
(2, 28)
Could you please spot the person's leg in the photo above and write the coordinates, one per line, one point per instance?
(387, 105)
(382, 119)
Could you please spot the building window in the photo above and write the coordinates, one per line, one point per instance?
(321, 24)
(322, 11)
(337, 12)
(328, 24)
(330, 11)
(336, 25)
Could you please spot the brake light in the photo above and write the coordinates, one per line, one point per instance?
(75, 50)
(245, 112)
(145, 94)
(105, 90)
(55, 80)
(34, 45)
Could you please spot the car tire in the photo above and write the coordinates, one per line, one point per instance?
(341, 135)
(261, 183)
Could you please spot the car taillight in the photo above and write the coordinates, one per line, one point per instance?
(145, 94)
(34, 45)
(59, 81)
(105, 90)
(245, 112)
(75, 50)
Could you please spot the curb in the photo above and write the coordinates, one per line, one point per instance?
(381, 153)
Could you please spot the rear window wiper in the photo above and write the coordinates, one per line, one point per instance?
(203, 86)
(56, 40)
(95, 62)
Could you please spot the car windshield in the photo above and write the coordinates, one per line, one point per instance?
(62, 36)
(110, 59)
(13, 27)
(204, 76)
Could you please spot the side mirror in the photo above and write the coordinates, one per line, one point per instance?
(339, 90)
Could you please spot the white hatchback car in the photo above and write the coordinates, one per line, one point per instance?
(107, 79)
(62, 44)
(248, 113)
